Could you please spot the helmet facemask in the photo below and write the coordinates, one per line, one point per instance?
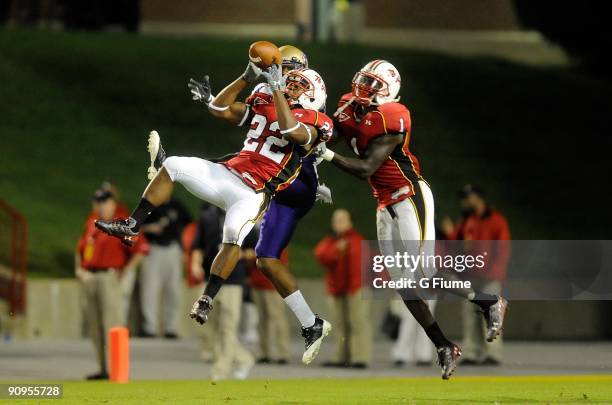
(298, 86)
(367, 86)
(292, 64)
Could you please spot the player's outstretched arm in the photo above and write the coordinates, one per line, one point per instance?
(363, 167)
(225, 106)
(292, 130)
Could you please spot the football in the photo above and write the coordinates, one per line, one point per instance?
(264, 54)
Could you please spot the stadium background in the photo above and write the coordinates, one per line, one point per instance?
(499, 95)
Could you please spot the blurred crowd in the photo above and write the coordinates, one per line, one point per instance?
(141, 286)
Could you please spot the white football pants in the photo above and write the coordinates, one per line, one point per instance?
(408, 226)
(214, 183)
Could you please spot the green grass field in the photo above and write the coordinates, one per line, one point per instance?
(75, 109)
(459, 390)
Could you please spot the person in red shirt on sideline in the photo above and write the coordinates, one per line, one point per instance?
(340, 254)
(482, 223)
(120, 212)
(101, 261)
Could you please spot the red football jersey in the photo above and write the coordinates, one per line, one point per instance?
(394, 180)
(267, 162)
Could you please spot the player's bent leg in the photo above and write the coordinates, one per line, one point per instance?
(404, 227)
(278, 274)
(221, 268)
(157, 192)
(314, 328)
(448, 352)
(277, 228)
(243, 208)
(226, 260)
(197, 175)
(200, 177)
(159, 189)
(276, 231)
(493, 307)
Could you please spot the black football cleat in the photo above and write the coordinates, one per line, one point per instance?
(120, 228)
(313, 337)
(448, 358)
(495, 316)
(98, 376)
(156, 152)
(201, 308)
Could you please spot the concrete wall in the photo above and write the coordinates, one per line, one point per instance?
(55, 312)
(235, 11)
(488, 15)
(415, 14)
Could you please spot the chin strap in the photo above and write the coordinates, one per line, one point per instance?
(344, 106)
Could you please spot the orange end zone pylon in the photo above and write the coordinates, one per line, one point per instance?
(119, 347)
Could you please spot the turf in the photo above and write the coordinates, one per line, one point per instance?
(75, 109)
(460, 390)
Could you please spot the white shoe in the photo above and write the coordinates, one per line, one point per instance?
(313, 337)
(156, 153)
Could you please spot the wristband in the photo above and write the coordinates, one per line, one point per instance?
(328, 155)
(214, 107)
(286, 131)
(309, 134)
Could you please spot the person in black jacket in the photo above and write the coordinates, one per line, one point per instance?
(162, 269)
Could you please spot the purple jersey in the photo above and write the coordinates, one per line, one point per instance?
(286, 210)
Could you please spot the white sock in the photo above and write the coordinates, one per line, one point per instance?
(300, 308)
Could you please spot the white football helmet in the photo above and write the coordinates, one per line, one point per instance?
(378, 82)
(306, 88)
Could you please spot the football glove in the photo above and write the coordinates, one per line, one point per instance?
(251, 73)
(322, 153)
(274, 77)
(201, 91)
(324, 194)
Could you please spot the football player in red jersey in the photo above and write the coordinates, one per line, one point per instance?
(377, 127)
(278, 138)
(306, 94)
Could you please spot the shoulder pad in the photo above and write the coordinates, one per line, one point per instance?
(395, 118)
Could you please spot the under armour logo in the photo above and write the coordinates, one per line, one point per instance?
(299, 115)
(368, 122)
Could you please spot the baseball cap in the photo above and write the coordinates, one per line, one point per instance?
(102, 195)
(471, 189)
